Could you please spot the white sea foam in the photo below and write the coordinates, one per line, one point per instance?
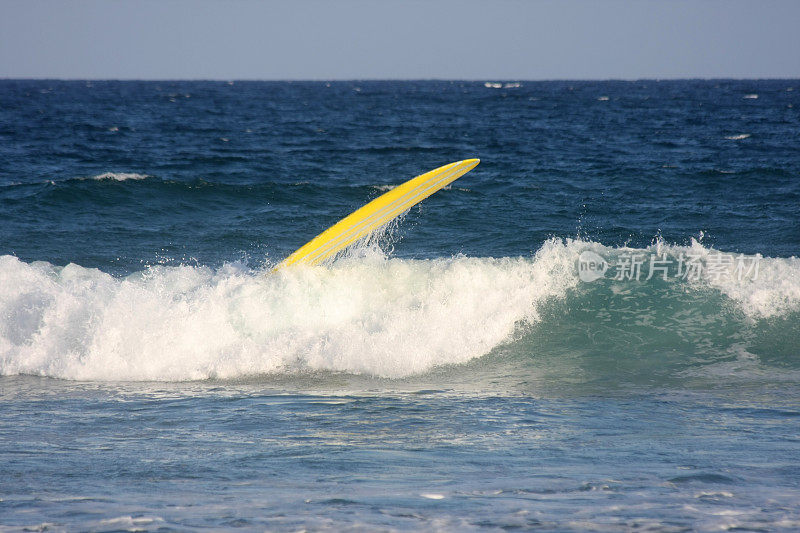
(130, 523)
(364, 314)
(120, 176)
(738, 137)
(500, 85)
(750, 96)
(368, 315)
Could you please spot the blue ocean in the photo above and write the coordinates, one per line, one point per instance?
(598, 328)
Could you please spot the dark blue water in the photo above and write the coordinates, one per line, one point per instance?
(262, 167)
(457, 372)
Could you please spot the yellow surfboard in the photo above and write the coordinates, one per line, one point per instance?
(377, 213)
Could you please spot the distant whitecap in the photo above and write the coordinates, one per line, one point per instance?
(738, 137)
(120, 176)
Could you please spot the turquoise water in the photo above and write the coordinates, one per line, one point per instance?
(458, 371)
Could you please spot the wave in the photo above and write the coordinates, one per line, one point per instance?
(120, 176)
(378, 316)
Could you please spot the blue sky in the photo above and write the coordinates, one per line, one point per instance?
(354, 39)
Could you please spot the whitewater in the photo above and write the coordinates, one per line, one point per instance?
(366, 313)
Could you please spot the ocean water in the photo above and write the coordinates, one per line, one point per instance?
(598, 328)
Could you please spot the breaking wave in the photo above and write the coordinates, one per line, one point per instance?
(366, 313)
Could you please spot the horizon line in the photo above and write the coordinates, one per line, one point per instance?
(369, 79)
